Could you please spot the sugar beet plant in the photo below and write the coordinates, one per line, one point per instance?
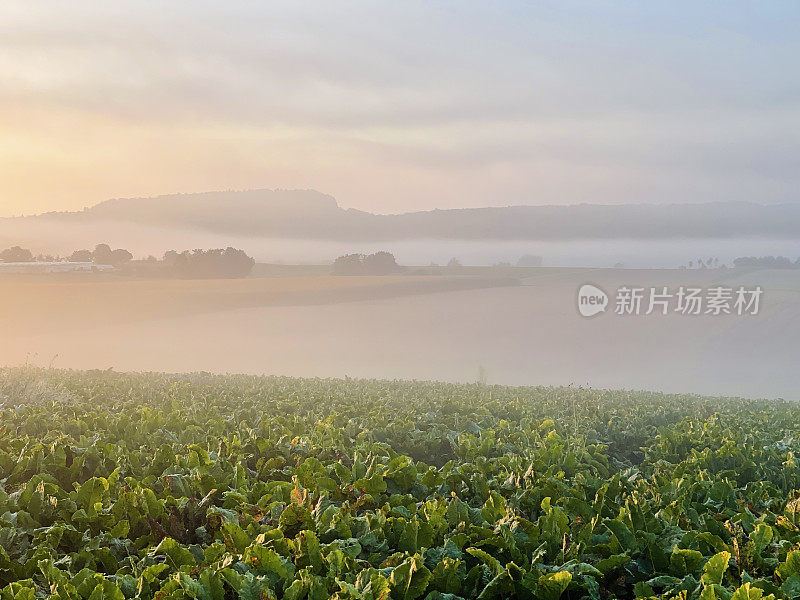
(213, 487)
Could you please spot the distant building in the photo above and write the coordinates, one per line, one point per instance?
(52, 267)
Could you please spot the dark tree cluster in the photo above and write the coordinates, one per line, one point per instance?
(529, 260)
(379, 263)
(766, 262)
(211, 264)
(704, 263)
(16, 254)
(102, 255)
(225, 263)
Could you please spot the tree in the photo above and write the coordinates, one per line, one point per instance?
(16, 254)
(104, 255)
(529, 260)
(211, 264)
(120, 257)
(765, 262)
(380, 263)
(80, 256)
(349, 264)
(454, 263)
(171, 258)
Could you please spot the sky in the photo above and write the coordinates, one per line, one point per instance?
(400, 106)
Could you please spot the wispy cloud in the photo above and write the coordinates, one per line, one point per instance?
(397, 106)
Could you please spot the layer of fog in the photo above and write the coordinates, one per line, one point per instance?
(49, 237)
(522, 335)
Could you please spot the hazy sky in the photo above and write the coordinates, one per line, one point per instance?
(400, 105)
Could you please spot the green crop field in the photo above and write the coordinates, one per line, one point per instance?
(212, 487)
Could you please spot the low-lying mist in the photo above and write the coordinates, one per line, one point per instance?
(55, 237)
(412, 328)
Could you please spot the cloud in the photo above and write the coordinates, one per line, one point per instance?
(611, 104)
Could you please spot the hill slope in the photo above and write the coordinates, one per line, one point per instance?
(313, 215)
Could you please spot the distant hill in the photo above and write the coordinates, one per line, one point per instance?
(231, 205)
(310, 214)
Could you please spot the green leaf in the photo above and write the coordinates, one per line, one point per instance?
(789, 567)
(490, 561)
(494, 508)
(445, 577)
(193, 589)
(623, 535)
(748, 592)
(715, 568)
(263, 560)
(177, 554)
(643, 590)
(761, 537)
(18, 590)
(91, 493)
(684, 562)
(612, 563)
(409, 579)
(552, 585)
(236, 535)
(457, 512)
(374, 485)
(791, 587)
(294, 519)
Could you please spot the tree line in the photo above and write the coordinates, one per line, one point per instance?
(767, 262)
(220, 262)
(211, 264)
(101, 255)
(379, 263)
